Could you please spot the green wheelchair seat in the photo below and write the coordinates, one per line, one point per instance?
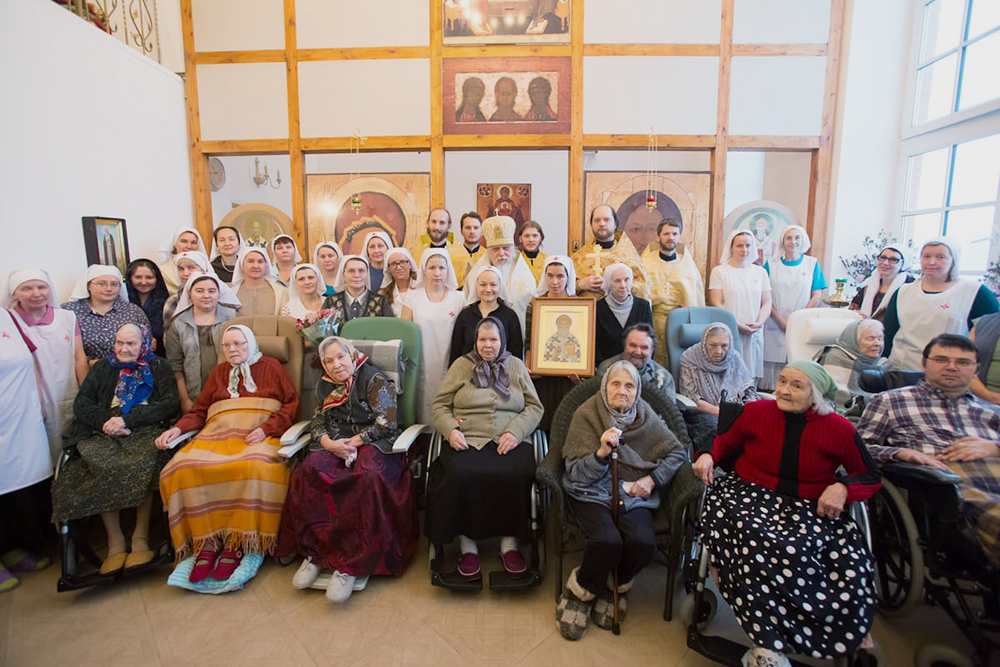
(391, 328)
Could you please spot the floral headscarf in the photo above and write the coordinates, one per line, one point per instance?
(135, 378)
(493, 373)
(341, 390)
(243, 370)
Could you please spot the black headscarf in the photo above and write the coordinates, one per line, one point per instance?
(154, 302)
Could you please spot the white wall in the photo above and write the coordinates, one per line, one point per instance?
(239, 187)
(97, 129)
(547, 171)
(786, 181)
(865, 190)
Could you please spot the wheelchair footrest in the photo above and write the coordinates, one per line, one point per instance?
(722, 650)
(453, 581)
(501, 580)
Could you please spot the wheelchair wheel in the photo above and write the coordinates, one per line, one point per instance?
(899, 560)
(706, 611)
(938, 655)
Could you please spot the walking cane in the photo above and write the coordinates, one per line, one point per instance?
(616, 627)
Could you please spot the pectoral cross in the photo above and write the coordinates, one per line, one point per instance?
(596, 255)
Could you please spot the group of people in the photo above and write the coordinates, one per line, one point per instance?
(127, 376)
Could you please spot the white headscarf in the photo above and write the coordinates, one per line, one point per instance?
(609, 271)
(779, 248)
(20, 276)
(566, 263)
(227, 297)
(874, 281)
(954, 247)
(473, 295)
(329, 244)
(269, 274)
(293, 288)
(727, 250)
(167, 253)
(197, 257)
(298, 255)
(339, 284)
(215, 246)
(96, 271)
(243, 370)
(368, 237)
(387, 276)
(451, 280)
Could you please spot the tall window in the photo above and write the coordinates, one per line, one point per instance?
(952, 146)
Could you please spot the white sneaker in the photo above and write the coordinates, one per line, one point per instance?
(340, 587)
(306, 575)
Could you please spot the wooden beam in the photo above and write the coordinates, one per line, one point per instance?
(507, 141)
(229, 57)
(821, 174)
(243, 146)
(779, 49)
(717, 199)
(651, 50)
(506, 50)
(373, 144)
(750, 142)
(575, 214)
(365, 53)
(673, 141)
(437, 110)
(199, 162)
(296, 159)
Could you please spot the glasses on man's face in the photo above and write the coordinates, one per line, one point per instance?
(891, 260)
(961, 363)
(106, 285)
(398, 264)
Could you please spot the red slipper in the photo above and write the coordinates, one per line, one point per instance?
(228, 562)
(513, 562)
(203, 565)
(468, 565)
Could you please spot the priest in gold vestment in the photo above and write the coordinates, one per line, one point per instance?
(518, 281)
(674, 279)
(608, 248)
(438, 234)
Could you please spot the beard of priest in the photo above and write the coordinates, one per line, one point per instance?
(609, 247)
(518, 280)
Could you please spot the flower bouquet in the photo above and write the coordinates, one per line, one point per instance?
(319, 325)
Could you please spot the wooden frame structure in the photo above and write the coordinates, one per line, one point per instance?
(820, 147)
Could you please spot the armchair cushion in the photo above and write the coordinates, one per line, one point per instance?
(387, 355)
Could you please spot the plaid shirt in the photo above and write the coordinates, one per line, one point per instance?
(923, 418)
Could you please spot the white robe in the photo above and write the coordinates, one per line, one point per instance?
(791, 289)
(742, 291)
(436, 320)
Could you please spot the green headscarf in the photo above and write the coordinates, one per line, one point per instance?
(818, 376)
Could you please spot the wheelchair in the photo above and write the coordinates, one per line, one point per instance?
(277, 338)
(679, 497)
(701, 604)
(921, 553)
(500, 580)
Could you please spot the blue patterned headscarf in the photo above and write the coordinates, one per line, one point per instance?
(135, 379)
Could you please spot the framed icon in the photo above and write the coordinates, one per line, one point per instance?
(106, 241)
(562, 336)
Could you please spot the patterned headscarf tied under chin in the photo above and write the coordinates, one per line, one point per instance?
(491, 373)
(135, 378)
(341, 390)
(243, 370)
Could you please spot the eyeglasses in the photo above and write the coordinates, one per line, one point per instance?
(399, 264)
(106, 285)
(961, 363)
(892, 260)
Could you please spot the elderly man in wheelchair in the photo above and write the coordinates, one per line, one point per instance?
(951, 519)
(791, 563)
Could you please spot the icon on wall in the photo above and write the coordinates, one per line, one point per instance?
(106, 242)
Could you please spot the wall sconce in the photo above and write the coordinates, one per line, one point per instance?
(260, 179)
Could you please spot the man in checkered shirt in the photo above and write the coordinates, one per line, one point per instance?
(940, 423)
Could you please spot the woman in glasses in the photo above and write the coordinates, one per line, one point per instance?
(100, 303)
(889, 275)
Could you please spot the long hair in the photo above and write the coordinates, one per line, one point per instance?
(158, 296)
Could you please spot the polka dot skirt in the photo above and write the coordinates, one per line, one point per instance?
(797, 582)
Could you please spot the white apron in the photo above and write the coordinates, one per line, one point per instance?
(791, 288)
(56, 356)
(436, 320)
(24, 446)
(923, 316)
(743, 291)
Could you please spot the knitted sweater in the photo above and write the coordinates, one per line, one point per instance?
(796, 453)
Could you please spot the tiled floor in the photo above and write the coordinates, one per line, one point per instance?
(143, 621)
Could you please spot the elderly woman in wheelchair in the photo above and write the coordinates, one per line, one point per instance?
(350, 508)
(858, 348)
(618, 544)
(795, 569)
(111, 463)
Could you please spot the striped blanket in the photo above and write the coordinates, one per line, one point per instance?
(217, 486)
(980, 488)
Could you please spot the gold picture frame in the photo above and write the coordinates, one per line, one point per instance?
(562, 336)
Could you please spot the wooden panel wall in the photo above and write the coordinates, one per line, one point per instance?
(576, 142)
